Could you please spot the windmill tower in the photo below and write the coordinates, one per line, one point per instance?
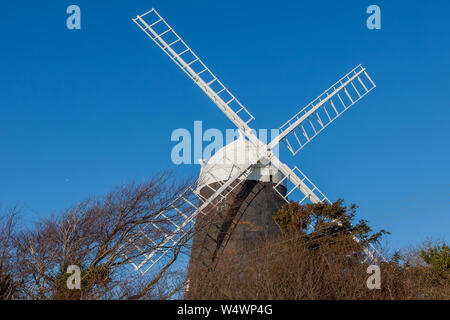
(244, 218)
(245, 181)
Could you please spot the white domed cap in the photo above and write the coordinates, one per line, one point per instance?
(234, 157)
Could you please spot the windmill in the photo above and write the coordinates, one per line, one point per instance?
(227, 180)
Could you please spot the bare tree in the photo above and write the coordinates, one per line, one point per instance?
(8, 222)
(102, 236)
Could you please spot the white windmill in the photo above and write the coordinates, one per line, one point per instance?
(295, 133)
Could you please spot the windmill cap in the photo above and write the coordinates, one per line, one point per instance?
(234, 157)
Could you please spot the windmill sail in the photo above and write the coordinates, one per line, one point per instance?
(180, 53)
(321, 112)
(155, 242)
(299, 182)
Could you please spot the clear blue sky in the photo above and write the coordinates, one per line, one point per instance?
(84, 111)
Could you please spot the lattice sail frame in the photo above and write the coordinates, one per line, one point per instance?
(180, 53)
(157, 242)
(290, 189)
(298, 131)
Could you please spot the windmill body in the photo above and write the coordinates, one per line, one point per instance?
(245, 217)
(245, 179)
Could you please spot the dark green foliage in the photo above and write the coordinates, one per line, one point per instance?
(438, 258)
(322, 223)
